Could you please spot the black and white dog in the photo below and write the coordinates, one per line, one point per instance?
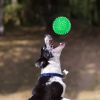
(50, 84)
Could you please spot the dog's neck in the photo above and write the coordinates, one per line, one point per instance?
(53, 67)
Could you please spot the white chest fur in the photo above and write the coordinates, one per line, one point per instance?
(53, 67)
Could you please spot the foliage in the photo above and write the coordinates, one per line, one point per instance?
(29, 12)
(6, 2)
(85, 10)
(12, 14)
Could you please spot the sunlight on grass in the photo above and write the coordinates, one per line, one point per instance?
(1, 64)
(89, 95)
(19, 42)
(21, 95)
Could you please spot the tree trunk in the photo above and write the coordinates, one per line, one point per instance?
(1, 17)
(14, 2)
(98, 9)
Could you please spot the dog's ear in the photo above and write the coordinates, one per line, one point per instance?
(42, 62)
(46, 53)
(45, 56)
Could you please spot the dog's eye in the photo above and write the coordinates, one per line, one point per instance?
(44, 47)
(41, 63)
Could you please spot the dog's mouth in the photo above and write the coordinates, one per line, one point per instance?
(52, 43)
(55, 44)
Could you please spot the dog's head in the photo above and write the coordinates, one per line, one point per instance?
(49, 52)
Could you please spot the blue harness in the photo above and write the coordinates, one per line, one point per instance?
(51, 75)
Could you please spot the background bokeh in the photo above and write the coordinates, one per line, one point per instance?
(23, 24)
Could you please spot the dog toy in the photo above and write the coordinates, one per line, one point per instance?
(61, 25)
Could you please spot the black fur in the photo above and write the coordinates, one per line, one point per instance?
(46, 53)
(45, 56)
(42, 91)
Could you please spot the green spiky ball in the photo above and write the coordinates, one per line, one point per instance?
(61, 25)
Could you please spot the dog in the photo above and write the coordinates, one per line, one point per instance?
(50, 84)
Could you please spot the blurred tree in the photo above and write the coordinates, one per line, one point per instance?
(39, 12)
(12, 13)
(98, 9)
(49, 12)
(42, 12)
(1, 17)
